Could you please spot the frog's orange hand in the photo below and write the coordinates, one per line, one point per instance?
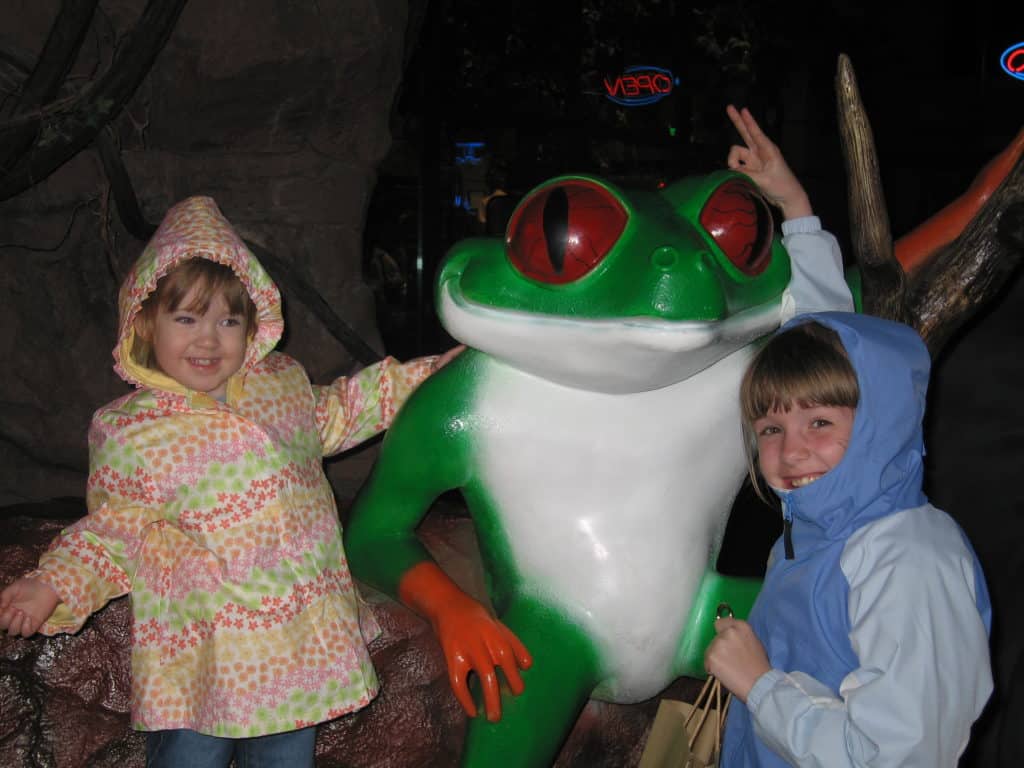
(914, 248)
(472, 640)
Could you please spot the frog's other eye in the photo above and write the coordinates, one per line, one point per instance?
(561, 232)
(739, 221)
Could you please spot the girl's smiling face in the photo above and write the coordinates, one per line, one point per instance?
(200, 350)
(798, 446)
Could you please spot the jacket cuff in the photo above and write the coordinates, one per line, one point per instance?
(64, 618)
(802, 225)
(764, 684)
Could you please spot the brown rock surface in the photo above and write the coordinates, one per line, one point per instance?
(64, 700)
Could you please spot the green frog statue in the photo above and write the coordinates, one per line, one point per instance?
(593, 429)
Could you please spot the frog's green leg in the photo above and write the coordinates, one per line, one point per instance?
(715, 589)
(534, 724)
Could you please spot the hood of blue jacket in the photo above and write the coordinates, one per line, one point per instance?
(882, 469)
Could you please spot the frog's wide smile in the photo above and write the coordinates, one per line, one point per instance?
(612, 355)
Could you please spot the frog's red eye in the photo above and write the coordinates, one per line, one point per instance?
(739, 221)
(561, 232)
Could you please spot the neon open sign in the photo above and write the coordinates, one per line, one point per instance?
(1013, 61)
(640, 85)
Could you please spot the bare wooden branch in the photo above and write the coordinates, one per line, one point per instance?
(968, 273)
(44, 82)
(883, 279)
(293, 285)
(121, 187)
(65, 131)
(957, 280)
(59, 52)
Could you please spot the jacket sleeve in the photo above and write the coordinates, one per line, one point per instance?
(95, 560)
(921, 640)
(355, 408)
(816, 283)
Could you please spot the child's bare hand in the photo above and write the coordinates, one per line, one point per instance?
(736, 657)
(25, 604)
(762, 161)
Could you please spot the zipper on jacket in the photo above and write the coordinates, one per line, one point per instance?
(787, 532)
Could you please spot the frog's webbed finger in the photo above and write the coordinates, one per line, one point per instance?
(459, 667)
(484, 654)
(492, 695)
(511, 655)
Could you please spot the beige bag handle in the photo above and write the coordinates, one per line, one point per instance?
(703, 703)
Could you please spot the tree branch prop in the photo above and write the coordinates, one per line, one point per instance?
(290, 284)
(310, 297)
(44, 82)
(121, 186)
(968, 273)
(883, 280)
(64, 130)
(959, 278)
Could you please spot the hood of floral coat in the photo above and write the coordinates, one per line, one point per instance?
(195, 228)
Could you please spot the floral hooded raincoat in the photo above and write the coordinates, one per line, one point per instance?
(218, 520)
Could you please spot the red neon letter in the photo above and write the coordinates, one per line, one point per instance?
(1019, 53)
(662, 83)
(629, 86)
(613, 89)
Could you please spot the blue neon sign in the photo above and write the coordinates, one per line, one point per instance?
(1012, 61)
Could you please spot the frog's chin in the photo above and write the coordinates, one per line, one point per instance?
(617, 356)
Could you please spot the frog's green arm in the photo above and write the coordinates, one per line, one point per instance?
(425, 453)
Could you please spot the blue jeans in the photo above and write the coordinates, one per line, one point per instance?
(183, 748)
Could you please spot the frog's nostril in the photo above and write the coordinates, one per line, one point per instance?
(688, 287)
(669, 259)
(665, 258)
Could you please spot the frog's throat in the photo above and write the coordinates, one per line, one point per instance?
(615, 356)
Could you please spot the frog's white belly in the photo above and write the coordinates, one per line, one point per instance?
(615, 504)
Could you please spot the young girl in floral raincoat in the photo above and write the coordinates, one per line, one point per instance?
(208, 505)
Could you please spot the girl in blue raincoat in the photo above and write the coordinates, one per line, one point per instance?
(868, 644)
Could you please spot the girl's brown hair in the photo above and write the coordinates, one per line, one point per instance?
(212, 279)
(806, 365)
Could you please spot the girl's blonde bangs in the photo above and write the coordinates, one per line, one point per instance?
(806, 365)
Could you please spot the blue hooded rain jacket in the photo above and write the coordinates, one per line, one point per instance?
(877, 629)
